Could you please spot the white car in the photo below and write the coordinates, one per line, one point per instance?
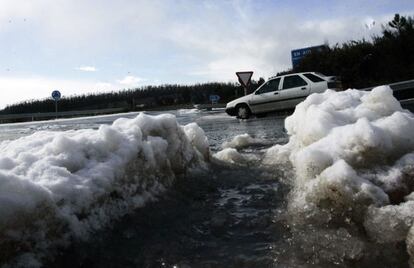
(281, 93)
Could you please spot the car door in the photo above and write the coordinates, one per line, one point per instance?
(294, 89)
(264, 96)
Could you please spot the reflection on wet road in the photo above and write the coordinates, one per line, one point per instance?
(229, 215)
(222, 218)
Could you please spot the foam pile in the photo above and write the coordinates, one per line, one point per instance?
(353, 158)
(60, 186)
(188, 111)
(231, 150)
(242, 141)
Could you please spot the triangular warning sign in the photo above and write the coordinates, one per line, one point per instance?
(244, 78)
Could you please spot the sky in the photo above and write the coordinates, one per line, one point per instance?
(91, 46)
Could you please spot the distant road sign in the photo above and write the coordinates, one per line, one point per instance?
(298, 54)
(56, 95)
(244, 77)
(214, 98)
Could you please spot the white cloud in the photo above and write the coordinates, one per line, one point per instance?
(17, 89)
(131, 81)
(105, 85)
(259, 42)
(86, 68)
(78, 24)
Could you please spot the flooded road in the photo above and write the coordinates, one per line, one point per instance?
(217, 219)
(229, 215)
(223, 217)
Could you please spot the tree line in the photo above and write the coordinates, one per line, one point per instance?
(132, 99)
(387, 58)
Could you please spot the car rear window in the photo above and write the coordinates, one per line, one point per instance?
(313, 78)
(293, 81)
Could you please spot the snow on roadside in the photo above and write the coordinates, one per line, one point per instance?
(353, 158)
(60, 186)
(233, 157)
(242, 141)
(230, 153)
(188, 111)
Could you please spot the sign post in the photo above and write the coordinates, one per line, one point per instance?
(244, 79)
(56, 96)
(214, 99)
(299, 54)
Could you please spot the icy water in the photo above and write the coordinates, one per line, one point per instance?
(227, 216)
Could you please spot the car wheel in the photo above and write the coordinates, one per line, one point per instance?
(243, 112)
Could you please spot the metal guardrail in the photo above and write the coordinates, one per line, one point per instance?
(403, 85)
(402, 91)
(407, 101)
(408, 104)
(34, 116)
(209, 106)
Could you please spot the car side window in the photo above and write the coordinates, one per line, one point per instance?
(271, 85)
(293, 81)
(313, 78)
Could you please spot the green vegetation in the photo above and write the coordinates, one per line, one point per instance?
(386, 59)
(133, 99)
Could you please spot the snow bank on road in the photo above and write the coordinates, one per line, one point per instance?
(234, 157)
(188, 111)
(242, 141)
(59, 186)
(230, 153)
(353, 157)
